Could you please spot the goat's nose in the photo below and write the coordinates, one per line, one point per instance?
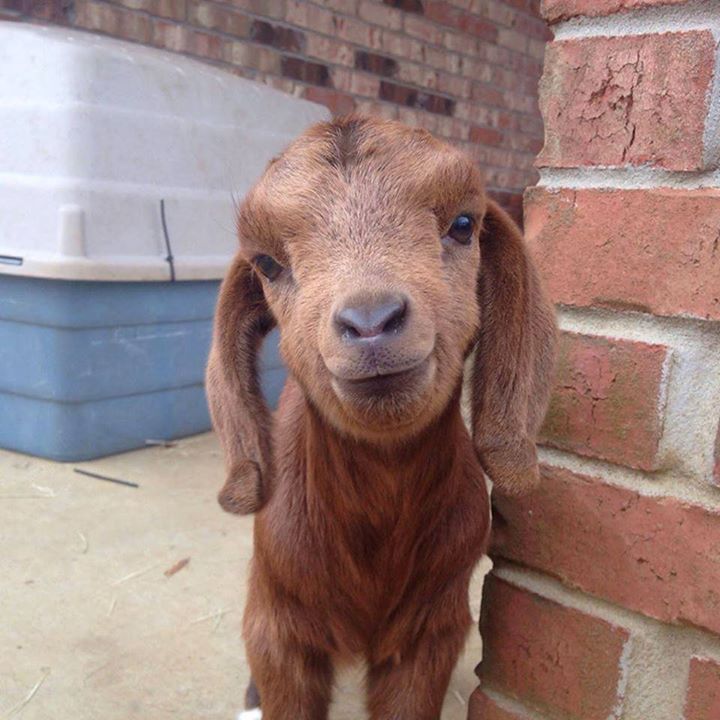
(371, 318)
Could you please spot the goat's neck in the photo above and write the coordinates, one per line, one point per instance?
(357, 474)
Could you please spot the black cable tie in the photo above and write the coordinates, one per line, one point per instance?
(169, 257)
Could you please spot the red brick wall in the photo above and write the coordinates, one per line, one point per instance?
(605, 597)
(467, 70)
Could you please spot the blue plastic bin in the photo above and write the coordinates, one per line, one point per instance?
(93, 368)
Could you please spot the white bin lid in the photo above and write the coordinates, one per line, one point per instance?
(95, 132)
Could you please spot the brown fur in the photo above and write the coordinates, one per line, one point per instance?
(372, 506)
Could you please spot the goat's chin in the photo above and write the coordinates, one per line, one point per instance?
(385, 407)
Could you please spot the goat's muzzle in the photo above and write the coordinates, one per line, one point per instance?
(379, 350)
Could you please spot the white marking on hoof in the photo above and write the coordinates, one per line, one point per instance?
(254, 714)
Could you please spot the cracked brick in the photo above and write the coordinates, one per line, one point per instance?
(632, 100)
(551, 656)
(607, 401)
(659, 556)
(655, 251)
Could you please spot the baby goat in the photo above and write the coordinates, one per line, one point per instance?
(376, 251)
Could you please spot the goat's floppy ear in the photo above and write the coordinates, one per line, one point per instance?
(240, 415)
(514, 357)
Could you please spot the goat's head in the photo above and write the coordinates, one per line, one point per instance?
(374, 248)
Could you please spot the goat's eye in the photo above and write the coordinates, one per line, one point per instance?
(462, 229)
(268, 266)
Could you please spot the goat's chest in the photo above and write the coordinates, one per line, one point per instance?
(358, 570)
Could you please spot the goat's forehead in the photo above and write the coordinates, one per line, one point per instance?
(381, 178)
(396, 177)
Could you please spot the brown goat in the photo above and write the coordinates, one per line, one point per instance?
(375, 250)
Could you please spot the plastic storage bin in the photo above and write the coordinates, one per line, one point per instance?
(119, 166)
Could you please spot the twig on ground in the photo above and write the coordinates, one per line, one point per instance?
(177, 567)
(83, 540)
(95, 671)
(17, 708)
(210, 616)
(97, 476)
(135, 574)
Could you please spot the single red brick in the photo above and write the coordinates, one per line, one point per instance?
(374, 63)
(550, 655)
(557, 10)
(486, 136)
(654, 251)
(703, 696)
(482, 707)
(216, 17)
(309, 72)
(608, 400)
(280, 37)
(445, 13)
(656, 555)
(338, 103)
(631, 100)
(400, 94)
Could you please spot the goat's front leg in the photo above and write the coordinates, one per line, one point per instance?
(293, 678)
(413, 686)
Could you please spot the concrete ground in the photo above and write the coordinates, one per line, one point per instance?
(91, 625)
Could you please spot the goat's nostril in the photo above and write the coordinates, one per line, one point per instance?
(372, 318)
(396, 318)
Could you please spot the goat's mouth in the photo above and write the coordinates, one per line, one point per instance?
(387, 384)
